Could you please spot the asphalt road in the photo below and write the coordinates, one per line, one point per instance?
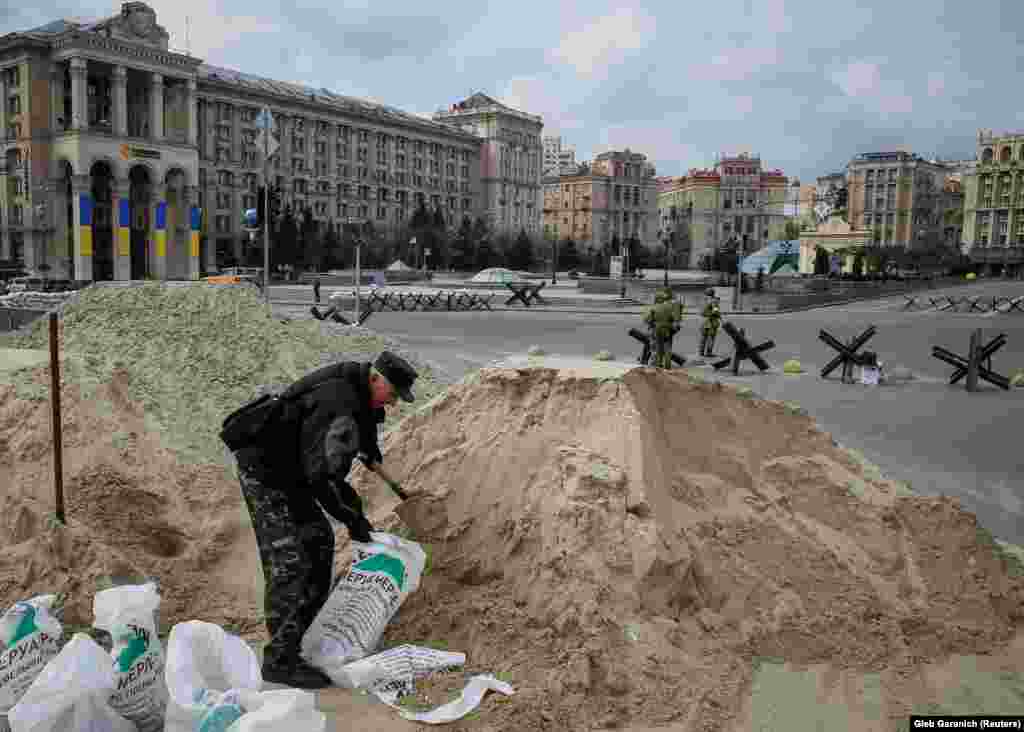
(939, 438)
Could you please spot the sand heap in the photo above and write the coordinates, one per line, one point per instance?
(149, 373)
(625, 549)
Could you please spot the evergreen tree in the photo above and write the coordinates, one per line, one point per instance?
(440, 257)
(286, 241)
(568, 256)
(461, 247)
(309, 251)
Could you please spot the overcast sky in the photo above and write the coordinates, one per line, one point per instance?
(805, 83)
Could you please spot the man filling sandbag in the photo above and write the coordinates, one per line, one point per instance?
(296, 454)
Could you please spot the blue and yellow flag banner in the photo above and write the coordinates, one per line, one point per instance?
(85, 224)
(161, 229)
(196, 221)
(124, 228)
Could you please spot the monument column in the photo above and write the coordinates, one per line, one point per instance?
(192, 110)
(156, 108)
(79, 101)
(119, 82)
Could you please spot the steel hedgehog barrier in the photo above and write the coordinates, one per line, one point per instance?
(376, 302)
(976, 304)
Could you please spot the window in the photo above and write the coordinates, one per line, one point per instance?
(223, 224)
(417, 164)
(320, 208)
(891, 197)
(343, 171)
(418, 181)
(364, 212)
(321, 148)
(364, 173)
(225, 178)
(465, 204)
(248, 201)
(435, 182)
(400, 142)
(381, 176)
(464, 186)
(892, 175)
(382, 157)
(1002, 227)
(435, 167)
(364, 136)
(400, 179)
(344, 151)
(867, 221)
(400, 160)
(869, 176)
(301, 186)
(298, 165)
(345, 133)
(364, 193)
(342, 209)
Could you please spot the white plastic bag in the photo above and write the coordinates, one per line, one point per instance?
(29, 637)
(284, 710)
(203, 662)
(128, 613)
(71, 693)
(393, 674)
(350, 624)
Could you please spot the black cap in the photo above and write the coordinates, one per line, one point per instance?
(399, 372)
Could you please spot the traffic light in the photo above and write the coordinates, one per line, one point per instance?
(261, 202)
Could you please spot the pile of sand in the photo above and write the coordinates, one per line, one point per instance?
(626, 549)
(623, 549)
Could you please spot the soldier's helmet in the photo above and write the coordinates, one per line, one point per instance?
(709, 292)
(663, 296)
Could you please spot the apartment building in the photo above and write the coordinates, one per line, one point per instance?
(123, 159)
(736, 201)
(897, 196)
(510, 160)
(559, 159)
(993, 225)
(615, 196)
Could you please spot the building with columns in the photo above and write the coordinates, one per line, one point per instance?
(122, 159)
(511, 158)
(993, 200)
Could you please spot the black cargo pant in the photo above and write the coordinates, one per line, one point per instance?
(296, 545)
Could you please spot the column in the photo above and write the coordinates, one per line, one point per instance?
(79, 100)
(193, 115)
(81, 189)
(156, 108)
(56, 98)
(3, 112)
(121, 210)
(158, 238)
(119, 92)
(190, 199)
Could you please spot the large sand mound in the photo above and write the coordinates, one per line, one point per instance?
(626, 549)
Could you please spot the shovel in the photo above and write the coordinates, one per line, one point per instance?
(425, 515)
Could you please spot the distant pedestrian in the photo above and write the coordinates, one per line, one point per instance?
(712, 320)
(316, 289)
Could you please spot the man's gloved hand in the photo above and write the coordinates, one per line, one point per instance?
(359, 528)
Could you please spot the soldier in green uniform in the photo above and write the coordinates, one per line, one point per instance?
(662, 321)
(712, 319)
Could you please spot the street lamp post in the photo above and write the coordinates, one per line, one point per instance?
(358, 274)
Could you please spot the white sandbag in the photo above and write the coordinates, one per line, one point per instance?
(128, 613)
(283, 710)
(350, 624)
(392, 674)
(203, 662)
(71, 693)
(29, 638)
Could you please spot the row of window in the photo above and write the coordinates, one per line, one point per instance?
(1005, 154)
(223, 222)
(344, 133)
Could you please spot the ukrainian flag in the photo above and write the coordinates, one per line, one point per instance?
(85, 224)
(124, 232)
(161, 229)
(196, 223)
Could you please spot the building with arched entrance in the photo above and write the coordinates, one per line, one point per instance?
(122, 159)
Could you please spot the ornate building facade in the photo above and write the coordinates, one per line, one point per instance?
(898, 196)
(993, 222)
(738, 201)
(511, 157)
(614, 197)
(122, 159)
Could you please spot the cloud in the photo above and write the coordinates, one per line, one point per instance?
(533, 96)
(735, 65)
(212, 28)
(858, 79)
(604, 41)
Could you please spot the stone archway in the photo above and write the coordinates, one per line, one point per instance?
(101, 177)
(140, 191)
